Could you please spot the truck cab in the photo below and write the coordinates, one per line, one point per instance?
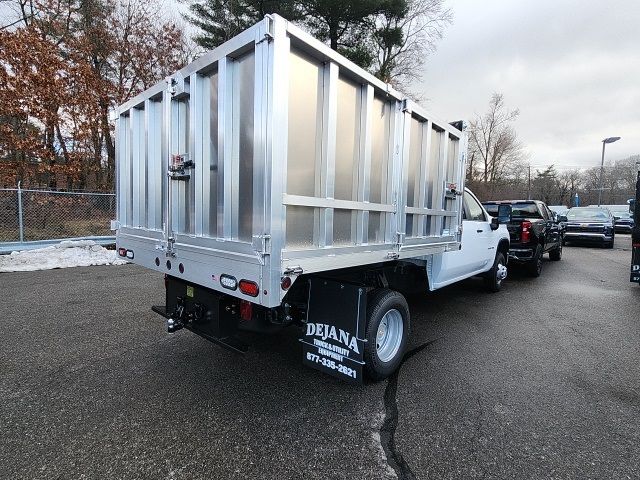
(484, 248)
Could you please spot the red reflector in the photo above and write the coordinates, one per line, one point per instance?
(285, 283)
(122, 252)
(246, 310)
(249, 288)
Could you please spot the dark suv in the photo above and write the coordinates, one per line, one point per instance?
(590, 225)
(534, 231)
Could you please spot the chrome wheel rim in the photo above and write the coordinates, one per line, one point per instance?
(501, 273)
(389, 335)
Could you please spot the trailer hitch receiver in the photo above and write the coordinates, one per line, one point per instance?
(181, 317)
(176, 321)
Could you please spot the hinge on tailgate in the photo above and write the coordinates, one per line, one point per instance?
(399, 240)
(268, 34)
(262, 244)
(167, 247)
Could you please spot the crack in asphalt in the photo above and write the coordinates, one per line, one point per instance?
(388, 429)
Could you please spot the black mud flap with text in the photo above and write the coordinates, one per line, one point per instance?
(334, 336)
(635, 254)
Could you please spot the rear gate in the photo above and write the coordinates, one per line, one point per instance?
(191, 169)
(515, 228)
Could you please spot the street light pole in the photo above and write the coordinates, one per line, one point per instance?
(604, 142)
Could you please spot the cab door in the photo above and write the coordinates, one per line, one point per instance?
(553, 229)
(480, 245)
(477, 247)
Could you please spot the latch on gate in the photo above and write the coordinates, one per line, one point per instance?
(178, 167)
(451, 190)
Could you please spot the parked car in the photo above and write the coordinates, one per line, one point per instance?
(590, 225)
(534, 231)
(622, 217)
(558, 209)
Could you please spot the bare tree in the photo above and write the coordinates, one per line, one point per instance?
(403, 40)
(493, 143)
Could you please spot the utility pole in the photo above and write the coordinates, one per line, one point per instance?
(604, 142)
(529, 185)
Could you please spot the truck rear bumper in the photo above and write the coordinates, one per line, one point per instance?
(521, 254)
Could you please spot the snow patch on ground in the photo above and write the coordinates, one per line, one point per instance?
(68, 253)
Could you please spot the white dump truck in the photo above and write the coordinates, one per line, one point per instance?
(276, 183)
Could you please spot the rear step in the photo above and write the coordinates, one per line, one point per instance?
(229, 342)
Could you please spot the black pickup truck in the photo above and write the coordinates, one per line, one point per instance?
(534, 231)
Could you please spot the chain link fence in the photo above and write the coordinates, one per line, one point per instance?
(36, 215)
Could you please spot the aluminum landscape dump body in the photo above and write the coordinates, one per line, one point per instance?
(273, 155)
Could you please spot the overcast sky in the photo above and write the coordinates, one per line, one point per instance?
(571, 67)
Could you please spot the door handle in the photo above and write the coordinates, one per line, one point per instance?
(480, 231)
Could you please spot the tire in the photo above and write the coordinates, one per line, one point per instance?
(556, 253)
(608, 245)
(497, 274)
(534, 267)
(385, 347)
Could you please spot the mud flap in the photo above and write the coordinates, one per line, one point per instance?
(334, 336)
(635, 254)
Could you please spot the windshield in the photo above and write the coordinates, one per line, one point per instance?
(620, 211)
(528, 210)
(587, 214)
(491, 208)
(558, 208)
(523, 209)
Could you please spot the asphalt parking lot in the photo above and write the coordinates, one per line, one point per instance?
(541, 380)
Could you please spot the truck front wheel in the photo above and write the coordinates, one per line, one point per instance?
(497, 274)
(556, 253)
(388, 325)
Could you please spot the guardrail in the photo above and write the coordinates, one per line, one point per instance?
(36, 218)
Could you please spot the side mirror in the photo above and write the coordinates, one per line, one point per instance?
(494, 224)
(616, 217)
(504, 214)
(562, 218)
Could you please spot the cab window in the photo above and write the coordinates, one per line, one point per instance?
(472, 209)
(545, 213)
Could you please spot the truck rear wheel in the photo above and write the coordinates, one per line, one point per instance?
(534, 267)
(387, 333)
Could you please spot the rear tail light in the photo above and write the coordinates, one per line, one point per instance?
(122, 252)
(246, 310)
(228, 282)
(285, 283)
(526, 231)
(249, 288)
